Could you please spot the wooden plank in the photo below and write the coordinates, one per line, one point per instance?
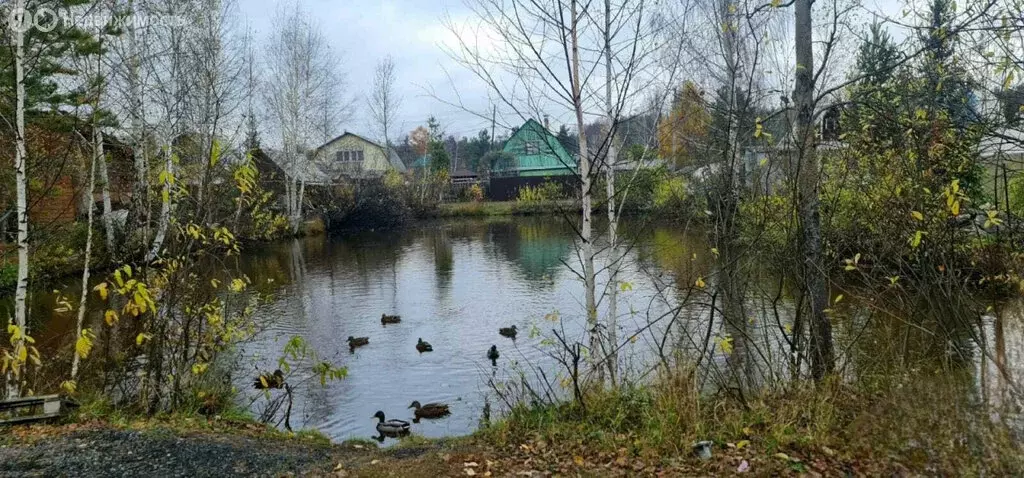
(29, 419)
(34, 397)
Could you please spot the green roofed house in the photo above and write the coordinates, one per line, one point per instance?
(538, 154)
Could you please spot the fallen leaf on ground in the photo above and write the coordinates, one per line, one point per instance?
(374, 462)
(578, 460)
(744, 466)
(470, 464)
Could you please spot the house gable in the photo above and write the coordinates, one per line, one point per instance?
(537, 153)
(353, 156)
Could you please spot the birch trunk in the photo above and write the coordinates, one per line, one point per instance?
(165, 207)
(821, 350)
(75, 360)
(100, 162)
(136, 102)
(21, 180)
(586, 229)
(613, 220)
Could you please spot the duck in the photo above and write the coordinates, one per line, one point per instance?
(430, 410)
(269, 380)
(424, 346)
(509, 332)
(390, 319)
(493, 355)
(354, 342)
(391, 427)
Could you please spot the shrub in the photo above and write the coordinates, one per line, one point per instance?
(1016, 192)
(475, 193)
(541, 193)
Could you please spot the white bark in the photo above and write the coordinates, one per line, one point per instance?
(101, 163)
(97, 156)
(586, 228)
(137, 135)
(21, 184)
(301, 77)
(165, 205)
(613, 220)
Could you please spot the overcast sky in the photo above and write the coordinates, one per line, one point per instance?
(412, 31)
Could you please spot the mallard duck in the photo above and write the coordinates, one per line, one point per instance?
(269, 380)
(390, 427)
(493, 355)
(354, 342)
(390, 319)
(509, 332)
(430, 410)
(424, 346)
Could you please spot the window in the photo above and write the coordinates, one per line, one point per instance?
(531, 147)
(353, 156)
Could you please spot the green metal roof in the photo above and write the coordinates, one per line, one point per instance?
(538, 152)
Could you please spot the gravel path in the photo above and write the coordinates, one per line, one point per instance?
(116, 453)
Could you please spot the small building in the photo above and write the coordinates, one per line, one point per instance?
(351, 156)
(537, 153)
(536, 156)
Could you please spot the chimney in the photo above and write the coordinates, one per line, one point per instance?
(547, 123)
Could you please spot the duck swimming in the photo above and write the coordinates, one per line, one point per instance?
(390, 319)
(509, 332)
(493, 355)
(354, 342)
(422, 346)
(393, 427)
(430, 410)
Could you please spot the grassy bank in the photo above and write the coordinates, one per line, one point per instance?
(502, 208)
(922, 426)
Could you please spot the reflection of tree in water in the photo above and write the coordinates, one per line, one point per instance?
(444, 258)
(537, 246)
(924, 333)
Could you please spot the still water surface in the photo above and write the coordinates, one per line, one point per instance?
(456, 282)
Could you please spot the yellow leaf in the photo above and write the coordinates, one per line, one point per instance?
(139, 339)
(699, 283)
(102, 289)
(111, 317)
(782, 456)
(69, 387)
(578, 460)
(84, 343)
(917, 215)
(838, 298)
(742, 443)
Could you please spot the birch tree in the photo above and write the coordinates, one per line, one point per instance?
(169, 94)
(300, 67)
(384, 100)
(21, 185)
(568, 58)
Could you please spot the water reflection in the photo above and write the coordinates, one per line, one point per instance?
(455, 283)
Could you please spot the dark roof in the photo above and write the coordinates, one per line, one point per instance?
(463, 173)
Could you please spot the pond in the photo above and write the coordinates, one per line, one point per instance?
(456, 282)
